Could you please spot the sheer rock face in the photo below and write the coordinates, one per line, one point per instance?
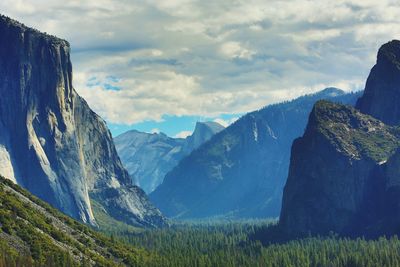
(202, 133)
(382, 91)
(241, 171)
(50, 141)
(344, 172)
(149, 156)
(337, 174)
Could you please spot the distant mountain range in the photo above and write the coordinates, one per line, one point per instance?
(240, 172)
(51, 142)
(149, 156)
(344, 175)
(335, 166)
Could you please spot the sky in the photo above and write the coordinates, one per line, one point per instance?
(163, 65)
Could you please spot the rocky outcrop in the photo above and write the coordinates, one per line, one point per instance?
(241, 171)
(51, 143)
(148, 157)
(382, 90)
(336, 176)
(344, 172)
(202, 133)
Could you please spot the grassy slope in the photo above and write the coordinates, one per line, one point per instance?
(43, 236)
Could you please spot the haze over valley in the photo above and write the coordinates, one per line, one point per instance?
(191, 133)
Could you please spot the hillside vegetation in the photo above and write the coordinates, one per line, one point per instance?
(35, 234)
(238, 244)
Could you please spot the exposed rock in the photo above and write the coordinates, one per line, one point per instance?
(344, 174)
(51, 142)
(337, 174)
(148, 157)
(241, 171)
(382, 91)
(202, 133)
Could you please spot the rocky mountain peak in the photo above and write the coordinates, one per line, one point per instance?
(335, 181)
(148, 157)
(202, 132)
(382, 89)
(331, 92)
(215, 126)
(51, 142)
(389, 52)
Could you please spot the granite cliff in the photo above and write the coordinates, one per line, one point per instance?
(382, 93)
(344, 171)
(336, 175)
(51, 142)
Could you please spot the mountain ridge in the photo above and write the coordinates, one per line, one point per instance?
(149, 156)
(225, 173)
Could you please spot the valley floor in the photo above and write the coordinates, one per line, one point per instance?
(34, 234)
(233, 244)
(239, 244)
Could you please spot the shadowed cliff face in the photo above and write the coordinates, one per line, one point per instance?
(344, 172)
(336, 179)
(50, 141)
(382, 90)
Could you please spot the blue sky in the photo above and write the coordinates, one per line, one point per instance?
(174, 126)
(150, 64)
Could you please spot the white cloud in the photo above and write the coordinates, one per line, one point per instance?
(236, 50)
(140, 100)
(183, 134)
(225, 123)
(207, 58)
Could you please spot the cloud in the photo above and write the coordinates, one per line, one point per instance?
(225, 123)
(236, 50)
(207, 58)
(183, 134)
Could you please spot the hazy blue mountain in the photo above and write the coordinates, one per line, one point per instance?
(51, 142)
(202, 133)
(345, 170)
(241, 171)
(148, 157)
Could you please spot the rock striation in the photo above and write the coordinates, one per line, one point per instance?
(51, 142)
(149, 156)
